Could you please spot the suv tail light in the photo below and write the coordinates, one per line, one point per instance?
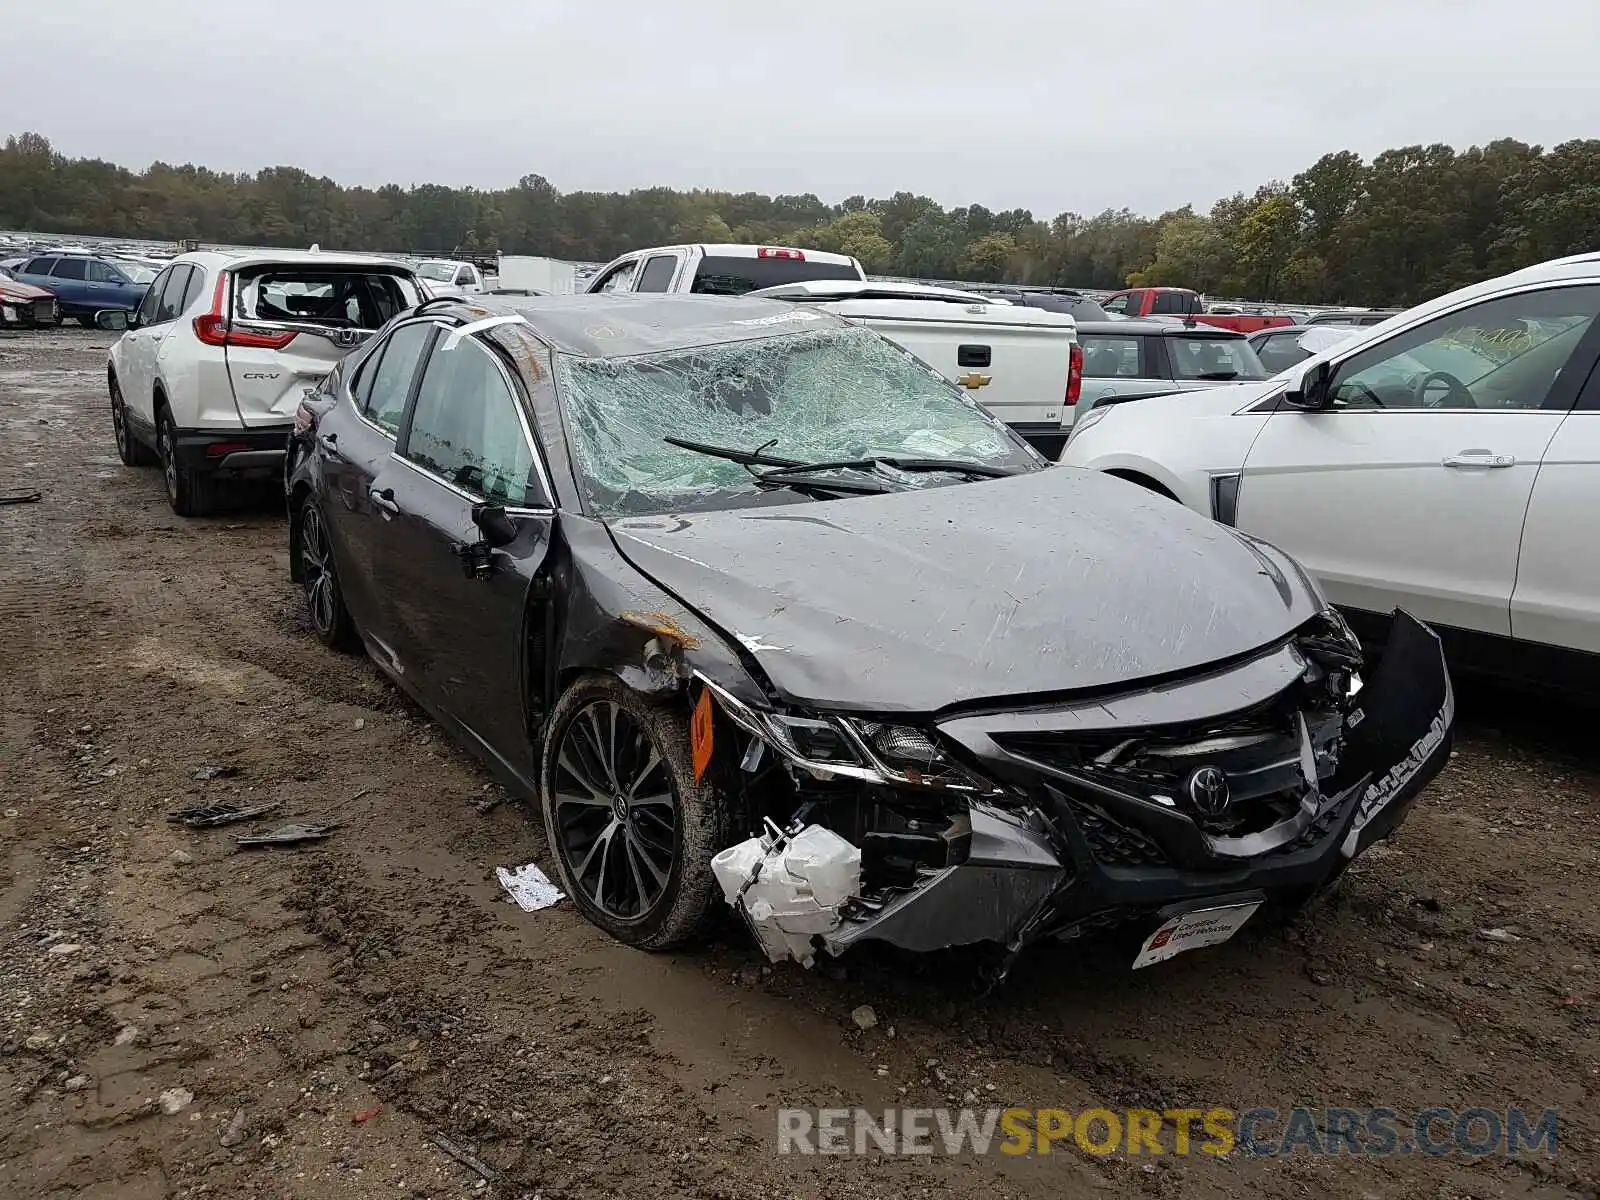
(305, 419)
(1074, 374)
(778, 252)
(215, 328)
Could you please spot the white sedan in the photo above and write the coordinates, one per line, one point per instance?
(1446, 461)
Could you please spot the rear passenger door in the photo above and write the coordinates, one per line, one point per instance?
(69, 281)
(467, 441)
(141, 345)
(356, 449)
(1117, 367)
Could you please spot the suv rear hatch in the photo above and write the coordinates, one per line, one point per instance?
(283, 326)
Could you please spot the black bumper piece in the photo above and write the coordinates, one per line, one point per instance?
(254, 453)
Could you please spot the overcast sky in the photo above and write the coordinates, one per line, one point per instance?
(1043, 104)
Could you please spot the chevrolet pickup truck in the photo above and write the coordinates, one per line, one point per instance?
(719, 270)
(1185, 305)
(1020, 364)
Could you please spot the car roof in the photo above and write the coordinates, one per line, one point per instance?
(742, 250)
(623, 324)
(235, 259)
(867, 289)
(1173, 328)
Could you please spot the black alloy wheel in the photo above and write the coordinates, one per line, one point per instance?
(320, 580)
(631, 830)
(130, 449)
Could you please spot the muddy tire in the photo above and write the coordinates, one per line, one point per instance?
(191, 493)
(130, 449)
(630, 831)
(319, 579)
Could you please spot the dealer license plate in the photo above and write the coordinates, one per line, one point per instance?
(1191, 930)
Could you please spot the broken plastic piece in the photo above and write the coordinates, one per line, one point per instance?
(529, 887)
(209, 816)
(288, 835)
(789, 887)
(23, 498)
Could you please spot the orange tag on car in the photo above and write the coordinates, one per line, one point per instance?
(700, 734)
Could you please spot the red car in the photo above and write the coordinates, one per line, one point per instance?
(24, 304)
(1186, 305)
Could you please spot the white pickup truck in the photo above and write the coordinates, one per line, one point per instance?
(1021, 364)
(451, 277)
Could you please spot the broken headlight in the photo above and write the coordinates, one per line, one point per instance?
(853, 748)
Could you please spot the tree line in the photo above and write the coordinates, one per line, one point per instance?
(1412, 223)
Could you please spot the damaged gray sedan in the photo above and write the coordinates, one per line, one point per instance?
(760, 611)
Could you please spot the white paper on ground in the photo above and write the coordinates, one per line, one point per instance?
(529, 887)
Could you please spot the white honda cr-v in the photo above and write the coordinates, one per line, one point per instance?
(212, 365)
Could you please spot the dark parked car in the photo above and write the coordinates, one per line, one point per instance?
(684, 569)
(83, 284)
(1280, 349)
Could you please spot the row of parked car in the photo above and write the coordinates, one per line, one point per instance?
(759, 609)
(69, 283)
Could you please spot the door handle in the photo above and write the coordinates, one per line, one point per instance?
(384, 499)
(1480, 460)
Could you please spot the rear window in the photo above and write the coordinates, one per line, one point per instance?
(1213, 359)
(1175, 304)
(344, 299)
(718, 276)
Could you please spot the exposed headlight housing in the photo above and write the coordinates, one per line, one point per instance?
(831, 747)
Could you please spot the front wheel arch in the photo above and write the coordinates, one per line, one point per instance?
(1144, 481)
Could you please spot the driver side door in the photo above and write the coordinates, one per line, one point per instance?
(1412, 489)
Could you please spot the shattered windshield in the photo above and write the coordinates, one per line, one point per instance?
(441, 272)
(811, 397)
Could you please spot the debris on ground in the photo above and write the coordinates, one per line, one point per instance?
(1498, 935)
(203, 774)
(363, 1115)
(174, 1100)
(234, 1134)
(466, 1158)
(865, 1018)
(288, 835)
(23, 498)
(209, 816)
(529, 887)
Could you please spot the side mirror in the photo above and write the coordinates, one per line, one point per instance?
(1315, 392)
(113, 320)
(497, 528)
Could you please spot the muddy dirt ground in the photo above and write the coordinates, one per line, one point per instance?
(312, 1018)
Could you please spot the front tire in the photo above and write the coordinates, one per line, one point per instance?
(191, 493)
(630, 831)
(130, 449)
(319, 577)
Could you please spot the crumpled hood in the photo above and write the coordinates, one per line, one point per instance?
(12, 289)
(1055, 581)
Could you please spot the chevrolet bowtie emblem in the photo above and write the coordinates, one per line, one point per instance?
(972, 380)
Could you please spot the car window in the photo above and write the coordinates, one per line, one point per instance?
(1118, 304)
(197, 282)
(72, 268)
(465, 427)
(152, 297)
(99, 272)
(1110, 357)
(464, 275)
(172, 295)
(1213, 359)
(384, 402)
(657, 273)
(620, 279)
(325, 296)
(734, 275)
(1174, 303)
(1501, 354)
(38, 266)
(1280, 351)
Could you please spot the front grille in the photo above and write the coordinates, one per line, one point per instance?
(44, 310)
(1114, 844)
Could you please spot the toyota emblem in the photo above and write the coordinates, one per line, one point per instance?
(1208, 791)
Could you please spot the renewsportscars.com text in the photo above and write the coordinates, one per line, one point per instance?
(1254, 1132)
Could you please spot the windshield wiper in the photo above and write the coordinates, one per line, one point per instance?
(752, 458)
(954, 465)
(1216, 375)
